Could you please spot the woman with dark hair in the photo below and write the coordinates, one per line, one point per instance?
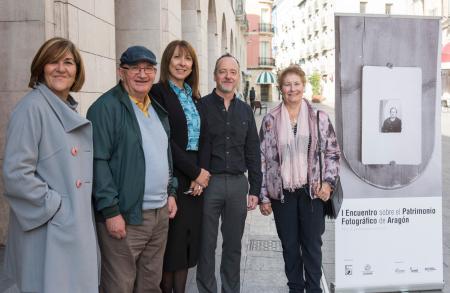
(292, 186)
(47, 171)
(178, 92)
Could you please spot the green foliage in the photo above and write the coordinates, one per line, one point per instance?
(314, 80)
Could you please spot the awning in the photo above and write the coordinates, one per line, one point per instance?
(266, 77)
(445, 56)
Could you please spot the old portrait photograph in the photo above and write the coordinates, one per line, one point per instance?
(390, 116)
(391, 129)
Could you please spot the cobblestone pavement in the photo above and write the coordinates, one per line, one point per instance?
(262, 267)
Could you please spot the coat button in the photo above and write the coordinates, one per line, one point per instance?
(74, 151)
(78, 183)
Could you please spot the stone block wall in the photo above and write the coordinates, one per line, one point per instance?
(24, 26)
(102, 30)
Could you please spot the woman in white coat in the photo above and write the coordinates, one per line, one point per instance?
(47, 170)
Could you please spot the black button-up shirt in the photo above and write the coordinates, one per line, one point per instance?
(234, 139)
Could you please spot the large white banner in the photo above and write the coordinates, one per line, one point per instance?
(387, 244)
(388, 236)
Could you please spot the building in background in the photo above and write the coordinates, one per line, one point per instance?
(102, 30)
(260, 63)
(305, 31)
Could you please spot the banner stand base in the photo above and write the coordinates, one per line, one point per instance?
(397, 288)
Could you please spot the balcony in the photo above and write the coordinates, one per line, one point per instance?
(266, 61)
(266, 28)
(240, 10)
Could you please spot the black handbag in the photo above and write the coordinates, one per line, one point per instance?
(333, 205)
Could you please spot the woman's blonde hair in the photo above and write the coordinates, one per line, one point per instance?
(295, 69)
(53, 50)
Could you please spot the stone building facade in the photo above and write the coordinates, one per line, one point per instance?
(259, 48)
(102, 30)
(305, 30)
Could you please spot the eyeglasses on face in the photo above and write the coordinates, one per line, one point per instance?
(137, 69)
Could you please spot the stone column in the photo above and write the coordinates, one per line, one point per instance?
(22, 31)
(149, 23)
(193, 25)
(24, 26)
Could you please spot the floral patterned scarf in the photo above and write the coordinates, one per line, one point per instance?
(294, 148)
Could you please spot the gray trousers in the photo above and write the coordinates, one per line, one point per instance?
(225, 198)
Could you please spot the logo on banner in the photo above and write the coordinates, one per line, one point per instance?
(367, 270)
(399, 271)
(430, 269)
(348, 270)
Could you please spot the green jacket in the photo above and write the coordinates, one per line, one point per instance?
(119, 163)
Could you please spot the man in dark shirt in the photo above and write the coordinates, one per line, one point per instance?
(234, 150)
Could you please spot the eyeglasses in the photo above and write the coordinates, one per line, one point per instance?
(137, 69)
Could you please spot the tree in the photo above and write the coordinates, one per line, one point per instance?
(315, 80)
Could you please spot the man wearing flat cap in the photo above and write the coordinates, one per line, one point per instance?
(134, 192)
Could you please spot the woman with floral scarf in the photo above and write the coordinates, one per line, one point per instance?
(293, 186)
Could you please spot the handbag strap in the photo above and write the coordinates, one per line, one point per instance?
(319, 141)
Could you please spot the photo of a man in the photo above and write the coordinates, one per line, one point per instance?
(392, 123)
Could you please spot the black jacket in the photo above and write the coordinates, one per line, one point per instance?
(165, 96)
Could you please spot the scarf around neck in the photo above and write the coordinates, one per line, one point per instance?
(294, 148)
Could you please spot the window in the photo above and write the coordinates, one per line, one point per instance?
(418, 7)
(388, 8)
(264, 49)
(433, 12)
(265, 15)
(362, 7)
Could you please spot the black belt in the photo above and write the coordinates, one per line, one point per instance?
(227, 174)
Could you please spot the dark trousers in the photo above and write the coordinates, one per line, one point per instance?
(300, 224)
(225, 198)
